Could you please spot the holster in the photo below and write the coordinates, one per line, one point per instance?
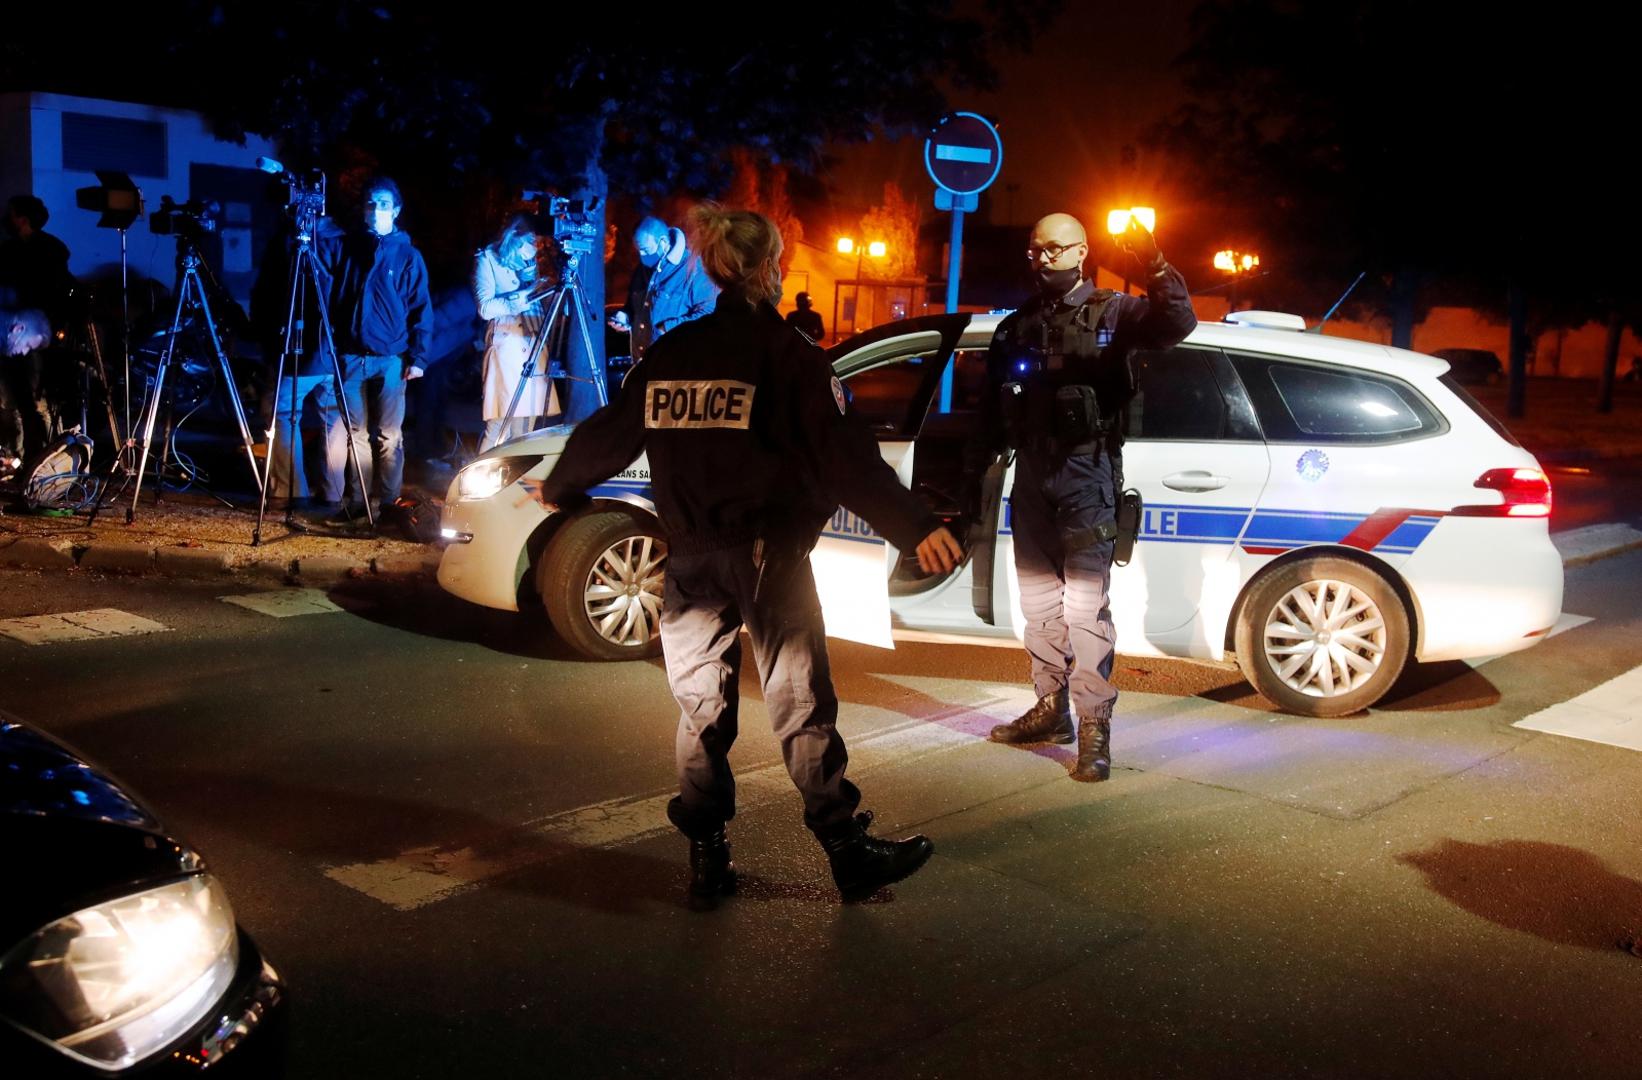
(1130, 510)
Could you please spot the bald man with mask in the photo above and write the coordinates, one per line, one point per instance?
(1059, 379)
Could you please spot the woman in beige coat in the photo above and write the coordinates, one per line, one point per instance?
(504, 274)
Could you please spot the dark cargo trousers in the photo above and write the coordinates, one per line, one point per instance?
(707, 598)
(1065, 574)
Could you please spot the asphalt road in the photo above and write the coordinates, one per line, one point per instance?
(447, 835)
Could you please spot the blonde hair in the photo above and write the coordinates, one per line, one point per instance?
(734, 246)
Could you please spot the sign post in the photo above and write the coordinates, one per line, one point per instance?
(963, 155)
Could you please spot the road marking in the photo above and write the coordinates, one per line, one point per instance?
(284, 603)
(1564, 622)
(425, 875)
(1595, 542)
(1610, 713)
(78, 626)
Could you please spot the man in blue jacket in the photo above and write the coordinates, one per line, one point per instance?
(382, 321)
(679, 289)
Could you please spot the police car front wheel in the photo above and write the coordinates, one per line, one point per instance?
(1322, 636)
(600, 580)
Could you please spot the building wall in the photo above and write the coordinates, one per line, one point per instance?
(1573, 354)
(32, 125)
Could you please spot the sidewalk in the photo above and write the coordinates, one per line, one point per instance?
(191, 536)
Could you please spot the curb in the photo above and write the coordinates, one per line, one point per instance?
(38, 553)
(1593, 542)
(114, 557)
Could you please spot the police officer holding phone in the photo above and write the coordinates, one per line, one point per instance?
(1059, 380)
(752, 445)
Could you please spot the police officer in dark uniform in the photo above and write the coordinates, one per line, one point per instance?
(752, 444)
(1059, 379)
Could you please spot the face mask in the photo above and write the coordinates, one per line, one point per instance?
(382, 221)
(1057, 283)
(650, 258)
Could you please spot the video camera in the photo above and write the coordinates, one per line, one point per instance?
(304, 192)
(191, 219)
(574, 221)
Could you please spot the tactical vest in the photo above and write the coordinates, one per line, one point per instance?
(1061, 396)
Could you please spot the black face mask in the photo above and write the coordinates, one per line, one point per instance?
(1057, 283)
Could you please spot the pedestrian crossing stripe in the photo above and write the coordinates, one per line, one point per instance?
(284, 603)
(1609, 714)
(77, 626)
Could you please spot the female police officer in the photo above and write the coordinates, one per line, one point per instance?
(752, 444)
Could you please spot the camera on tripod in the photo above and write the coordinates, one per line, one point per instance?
(574, 221)
(304, 192)
(191, 219)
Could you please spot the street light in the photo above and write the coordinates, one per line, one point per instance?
(1237, 264)
(877, 249)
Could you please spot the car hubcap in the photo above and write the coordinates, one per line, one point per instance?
(623, 595)
(1325, 638)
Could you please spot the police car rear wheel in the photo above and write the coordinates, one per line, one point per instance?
(1322, 636)
(600, 580)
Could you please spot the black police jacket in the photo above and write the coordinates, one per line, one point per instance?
(749, 436)
(1083, 338)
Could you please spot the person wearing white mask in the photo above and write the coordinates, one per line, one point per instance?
(382, 321)
(504, 280)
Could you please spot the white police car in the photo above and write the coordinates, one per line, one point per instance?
(1323, 508)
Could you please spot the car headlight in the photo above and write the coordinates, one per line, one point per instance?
(116, 982)
(485, 478)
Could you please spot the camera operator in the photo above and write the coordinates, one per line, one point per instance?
(382, 321)
(504, 277)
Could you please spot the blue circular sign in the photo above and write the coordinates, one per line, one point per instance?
(964, 153)
(1312, 465)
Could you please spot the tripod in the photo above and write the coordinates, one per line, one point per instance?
(305, 279)
(569, 302)
(190, 289)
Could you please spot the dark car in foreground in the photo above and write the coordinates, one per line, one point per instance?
(119, 953)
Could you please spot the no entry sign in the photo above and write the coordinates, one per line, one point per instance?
(964, 153)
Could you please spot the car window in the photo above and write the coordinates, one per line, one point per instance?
(1179, 396)
(1300, 402)
(885, 393)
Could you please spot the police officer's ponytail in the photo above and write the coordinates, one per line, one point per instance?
(740, 250)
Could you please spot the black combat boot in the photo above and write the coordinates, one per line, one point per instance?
(1050, 720)
(863, 864)
(712, 874)
(1094, 749)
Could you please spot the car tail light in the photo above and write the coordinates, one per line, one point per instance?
(1527, 494)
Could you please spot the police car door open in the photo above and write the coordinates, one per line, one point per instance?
(851, 563)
